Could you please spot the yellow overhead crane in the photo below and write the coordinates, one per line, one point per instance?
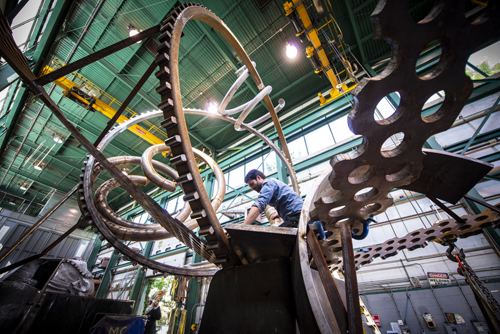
(86, 94)
(306, 29)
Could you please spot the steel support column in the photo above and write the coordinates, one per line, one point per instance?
(191, 301)
(140, 279)
(106, 279)
(93, 255)
(351, 281)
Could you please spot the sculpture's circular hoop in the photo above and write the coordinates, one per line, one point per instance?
(182, 154)
(140, 118)
(175, 123)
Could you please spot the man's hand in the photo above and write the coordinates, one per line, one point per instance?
(275, 215)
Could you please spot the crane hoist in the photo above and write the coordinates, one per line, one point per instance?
(324, 52)
(91, 97)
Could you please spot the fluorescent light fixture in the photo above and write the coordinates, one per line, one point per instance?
(291, 50)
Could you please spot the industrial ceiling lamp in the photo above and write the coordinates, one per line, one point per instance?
(57, 138)
(291, 50)
(24, 186)
(132, 31)
(211, 107)
(39, 166)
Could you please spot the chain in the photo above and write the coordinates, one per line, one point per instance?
(472, 278)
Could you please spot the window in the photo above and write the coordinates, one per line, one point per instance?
(237, 177)
(254, 164)
(319, 139)
(172, 203)
(297, 149)
(385, 109)
(81, 248)
(340, 129)
(270, 163)
(487, 60)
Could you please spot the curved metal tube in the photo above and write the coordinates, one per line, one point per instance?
(281, 105)
(135, 161)
(126, 229)
(243, 75)
(288, 165)
(150, 171)
(249, 107)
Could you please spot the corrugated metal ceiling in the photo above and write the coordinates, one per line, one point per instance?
(206, 66)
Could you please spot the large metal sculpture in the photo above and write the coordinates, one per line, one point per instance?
(356, 186)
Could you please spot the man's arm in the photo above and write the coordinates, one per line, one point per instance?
(253, 213)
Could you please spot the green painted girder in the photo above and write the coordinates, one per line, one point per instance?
(33, 146)
(37, 29)
(55, 22)
(10, 98)
(342, 107)
(356, 32)
(7, 76)
(491, 157)
(362, 6)
(106, 279)
(140, 276)
(320, 158)
(28, 196)
(93, 255)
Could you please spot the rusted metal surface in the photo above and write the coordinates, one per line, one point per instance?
(122, 228)
(328, 283)
(357, 185)
(351, 282)
(448, 176)
(254, 243)
(441, 231)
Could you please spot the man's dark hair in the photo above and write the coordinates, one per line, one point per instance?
(252, 175)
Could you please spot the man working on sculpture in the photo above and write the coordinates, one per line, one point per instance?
(275, 193)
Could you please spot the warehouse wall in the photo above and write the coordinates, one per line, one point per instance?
(15, 224)
(452, 300)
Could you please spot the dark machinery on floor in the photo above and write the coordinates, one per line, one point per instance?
(355, 187)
